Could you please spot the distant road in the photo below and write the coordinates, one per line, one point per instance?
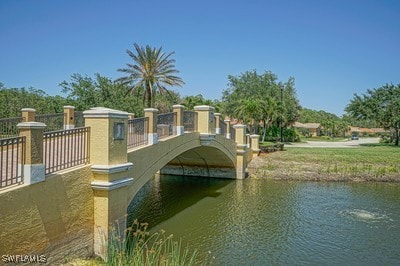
(335, 144)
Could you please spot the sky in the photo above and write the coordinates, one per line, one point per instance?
(333, 49)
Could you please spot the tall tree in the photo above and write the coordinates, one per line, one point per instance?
(381, 105)
(85, 92)
(152, 70)
(262, 98)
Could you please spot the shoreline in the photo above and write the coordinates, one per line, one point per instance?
(269, 166)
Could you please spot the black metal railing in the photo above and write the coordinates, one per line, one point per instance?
(12, 160)
(65, 148)
(138, 132)
(166, 125)
(223, 127)
(79, 119)
(233, 133)
(53, 121)
(190, 121)
(8, 127)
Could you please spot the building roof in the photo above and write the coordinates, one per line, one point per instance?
(307, 125)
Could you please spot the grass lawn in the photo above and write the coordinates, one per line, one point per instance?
(366, 163)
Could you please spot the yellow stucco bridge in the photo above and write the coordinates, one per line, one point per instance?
(119, 175)
(74, 209)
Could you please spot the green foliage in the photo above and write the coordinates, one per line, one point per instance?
(12, 100)
(85, 92)
(332, 125)
(191, 101)
(259, 99)
(152, 70)
(137, 246)
(381, 105)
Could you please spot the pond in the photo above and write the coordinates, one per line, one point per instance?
(259, 221)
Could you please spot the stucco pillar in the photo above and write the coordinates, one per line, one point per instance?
(205, 119)
(178, 109)
(131, 116)
(151, 113)
(28, 114)
(241, 151)
(34, 168)
(69, 117)
(228, 128)
(217, 117)
(255, 144)
(111, 172)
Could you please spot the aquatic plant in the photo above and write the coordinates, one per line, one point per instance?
(136, 246)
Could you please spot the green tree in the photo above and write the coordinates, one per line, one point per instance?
(85, 92)
(152, 70)
(12, 100)
(191, 101)
(259, 97)
(381, 105)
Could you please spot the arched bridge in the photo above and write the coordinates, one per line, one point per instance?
(211, 148)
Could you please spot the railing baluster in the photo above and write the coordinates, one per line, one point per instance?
(66, 148)
(189, 121)
(165, 125)
(9, 161)
(137, 132)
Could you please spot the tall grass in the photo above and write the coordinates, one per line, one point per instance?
(136, 246)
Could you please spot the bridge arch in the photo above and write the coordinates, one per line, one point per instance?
(189, 154)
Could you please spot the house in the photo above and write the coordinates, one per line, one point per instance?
(365, 131)
(313, 129)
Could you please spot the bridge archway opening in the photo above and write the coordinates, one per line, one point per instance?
(201, 161)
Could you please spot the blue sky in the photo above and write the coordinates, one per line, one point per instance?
(333, 49)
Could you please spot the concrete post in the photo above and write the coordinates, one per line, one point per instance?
(131, 116)
(69, 117)
(111, 172)
(241, 151)
(28, 114)
(228, 128)
(178, 109)
(205, 119)
(34, 168)
(151, 113)
(255, 144)
(248, 143)
(217, 117)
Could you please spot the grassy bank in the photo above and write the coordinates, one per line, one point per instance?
(365, 163)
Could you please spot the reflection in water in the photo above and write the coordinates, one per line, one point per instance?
(262, 222)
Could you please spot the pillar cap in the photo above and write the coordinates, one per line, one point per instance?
(31, 125)
(227, 120)
(254, 136)
(69, 107)
(217, 114)
(28, 110)
(178, 106)
(152, 110)
(101, 112)
(203, 108)
(239, 126)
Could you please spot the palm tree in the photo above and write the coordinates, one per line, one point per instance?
(151, 72)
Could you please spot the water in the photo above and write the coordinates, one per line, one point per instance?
(264, 222)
